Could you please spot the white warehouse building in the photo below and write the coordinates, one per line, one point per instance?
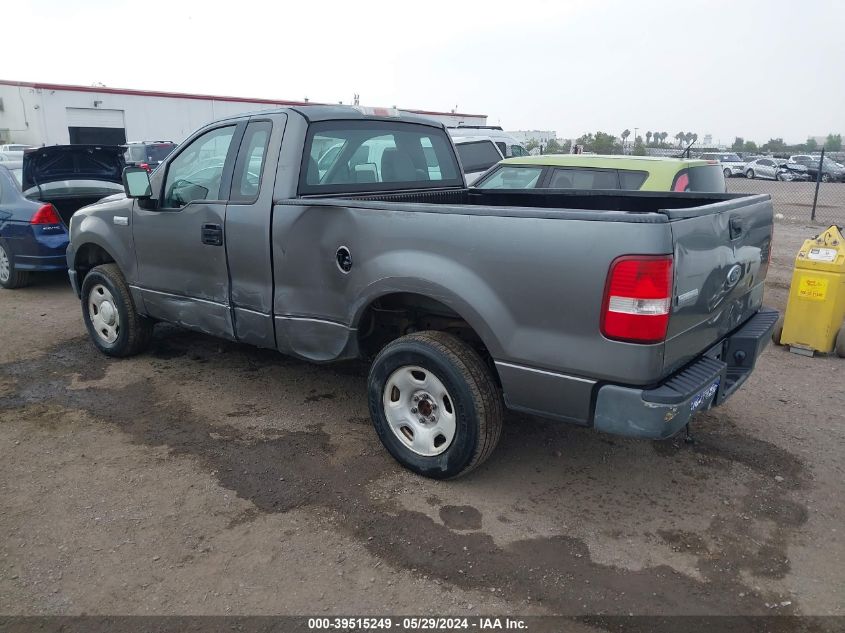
(55, 114)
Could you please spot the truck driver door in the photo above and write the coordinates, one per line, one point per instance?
(182, 273)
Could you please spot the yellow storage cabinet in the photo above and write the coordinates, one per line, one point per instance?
(816, 309)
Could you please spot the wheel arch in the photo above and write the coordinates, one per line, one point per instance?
(390, 313)
(91, 254)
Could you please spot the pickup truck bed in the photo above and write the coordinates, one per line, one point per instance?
(625, 311)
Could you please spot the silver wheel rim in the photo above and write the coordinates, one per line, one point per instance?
(5, 265)
(103, 313)
(419, 410)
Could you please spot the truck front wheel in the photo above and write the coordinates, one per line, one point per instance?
(109, 313)
(434, 404)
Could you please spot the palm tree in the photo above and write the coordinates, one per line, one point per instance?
(625, 134)
(694, 138)
(664, 136)
(648, 137)
(680, 136)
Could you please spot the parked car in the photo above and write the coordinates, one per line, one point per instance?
(38, 199)
(764, 168)
(830, 171)
(732, 164)
(16, 168)
(595, 171)
(147, 154)
(627, 312)
(477, 154)
(11, 156)
(792, 172)
(14, 147)
(506, 143)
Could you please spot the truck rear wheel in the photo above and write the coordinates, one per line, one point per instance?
(434, 404)
(108, 310)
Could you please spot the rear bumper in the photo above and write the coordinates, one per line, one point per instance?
(662, 411)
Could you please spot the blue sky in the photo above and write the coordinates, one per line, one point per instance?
(751, 68)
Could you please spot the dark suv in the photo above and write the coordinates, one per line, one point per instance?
(147, 154)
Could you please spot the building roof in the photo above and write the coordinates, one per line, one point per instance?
(204, 97)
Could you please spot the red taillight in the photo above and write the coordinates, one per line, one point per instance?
(681, 182)
(145, 166)
(47, 214)
(637, 298)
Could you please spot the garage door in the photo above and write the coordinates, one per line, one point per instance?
(96, 126)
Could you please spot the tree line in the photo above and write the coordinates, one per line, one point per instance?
(605, 143)
(833, 143)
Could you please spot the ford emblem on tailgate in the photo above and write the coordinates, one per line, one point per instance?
(734, 275)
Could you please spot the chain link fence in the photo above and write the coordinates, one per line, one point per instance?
(794, 201)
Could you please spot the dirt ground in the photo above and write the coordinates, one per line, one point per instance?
(205, 477)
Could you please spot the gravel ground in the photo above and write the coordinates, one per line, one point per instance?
(205, 477)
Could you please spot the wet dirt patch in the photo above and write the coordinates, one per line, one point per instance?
(734, 542)
(316, 397)
(460, 517)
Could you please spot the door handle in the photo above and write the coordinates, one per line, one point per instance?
(736, 228)
(212, 234)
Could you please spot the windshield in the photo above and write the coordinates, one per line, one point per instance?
(519, 150)
(730, 158)
(511, 177)
(350, 156)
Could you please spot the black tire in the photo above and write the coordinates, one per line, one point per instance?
(777, 333)
(727, 173)
(12, 277)
(135, 330)
(475, 400)
(840, 343)
(825, 177)
(750, 174)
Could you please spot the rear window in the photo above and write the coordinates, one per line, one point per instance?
(511, 177)
(704, 178)
(518, 150)
(631, 180)
(478, 155)
(576, 178)
(353, 156)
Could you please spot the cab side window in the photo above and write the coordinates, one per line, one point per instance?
(196, 173)
(246, 181)
(578, 178)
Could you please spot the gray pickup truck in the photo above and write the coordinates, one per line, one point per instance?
(627, 312)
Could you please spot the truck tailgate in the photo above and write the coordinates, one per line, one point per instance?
(721, 257)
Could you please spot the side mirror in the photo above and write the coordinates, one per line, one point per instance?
(136, 182)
